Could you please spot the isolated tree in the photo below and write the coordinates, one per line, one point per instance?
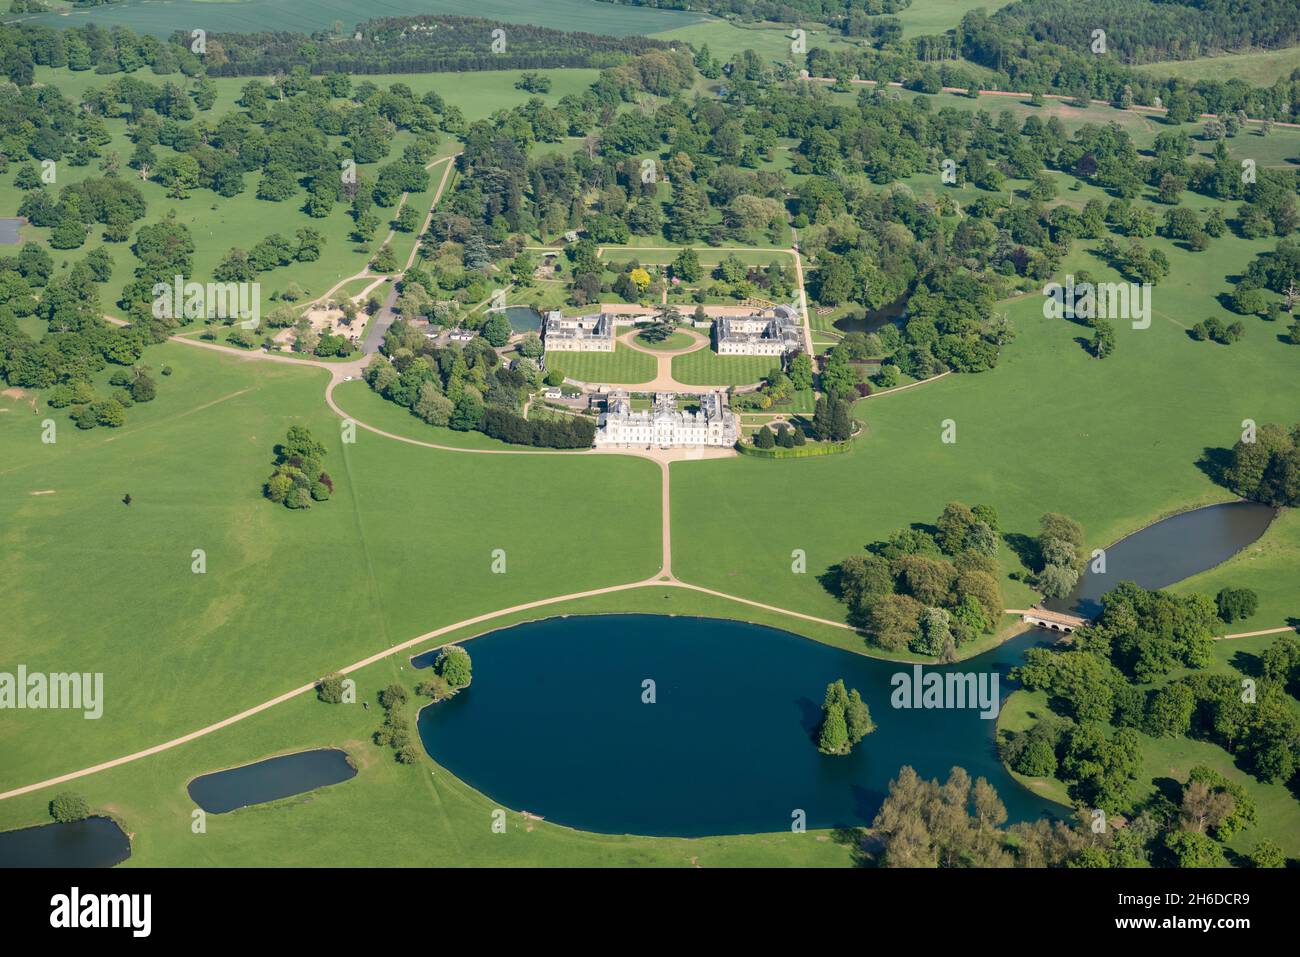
(69, 806)
(330, 689)
(454, 666)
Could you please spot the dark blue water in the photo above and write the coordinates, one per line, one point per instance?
(1171, 550)
(94, 842)
(554, 724)
(270, 780)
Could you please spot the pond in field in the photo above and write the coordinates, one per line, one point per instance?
(94, 842)
(555, 722)
(1171, 550)
(9, 231)
(270, 780)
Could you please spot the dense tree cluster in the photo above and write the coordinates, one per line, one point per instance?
(927, 589)
(68, 806)
(77, 343)
(787, 11)
(422, 44)
(468, 389)
(1267, 468)
(954, 824)
(845, 721)
(396, 730)
(1116, 676)
(299, 479)
(1059, 555)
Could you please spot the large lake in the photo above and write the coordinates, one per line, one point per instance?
(555, 724)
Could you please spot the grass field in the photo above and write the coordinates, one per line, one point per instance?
(706, 367)
(726, 38)
(1263, 68)
(89, 584)
(623, 366)
(677, 340)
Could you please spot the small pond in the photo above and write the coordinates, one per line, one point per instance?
(270, 780)
(94, 842)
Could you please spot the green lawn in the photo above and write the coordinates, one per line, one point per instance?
(89, 584)
(676, 340)
(706, 367)
(1258, 69)
(623, 366)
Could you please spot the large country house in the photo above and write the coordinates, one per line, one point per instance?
(664, 426)
(772, 332)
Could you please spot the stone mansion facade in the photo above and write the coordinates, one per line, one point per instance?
(664, 426)
(593, 333)
(774, 332)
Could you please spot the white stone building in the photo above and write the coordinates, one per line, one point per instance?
(664, 426)
(772, 332)
(593, 333)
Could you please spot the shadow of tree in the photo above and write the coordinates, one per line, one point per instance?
(1214, 463)
(1025, 547)
(859, 842)
(830, 580)
(1247, 664)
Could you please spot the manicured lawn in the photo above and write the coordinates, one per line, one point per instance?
(676, 340)
(706, 367)
(89, 584)
(623, 366)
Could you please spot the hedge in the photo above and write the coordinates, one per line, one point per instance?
(796, 452)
